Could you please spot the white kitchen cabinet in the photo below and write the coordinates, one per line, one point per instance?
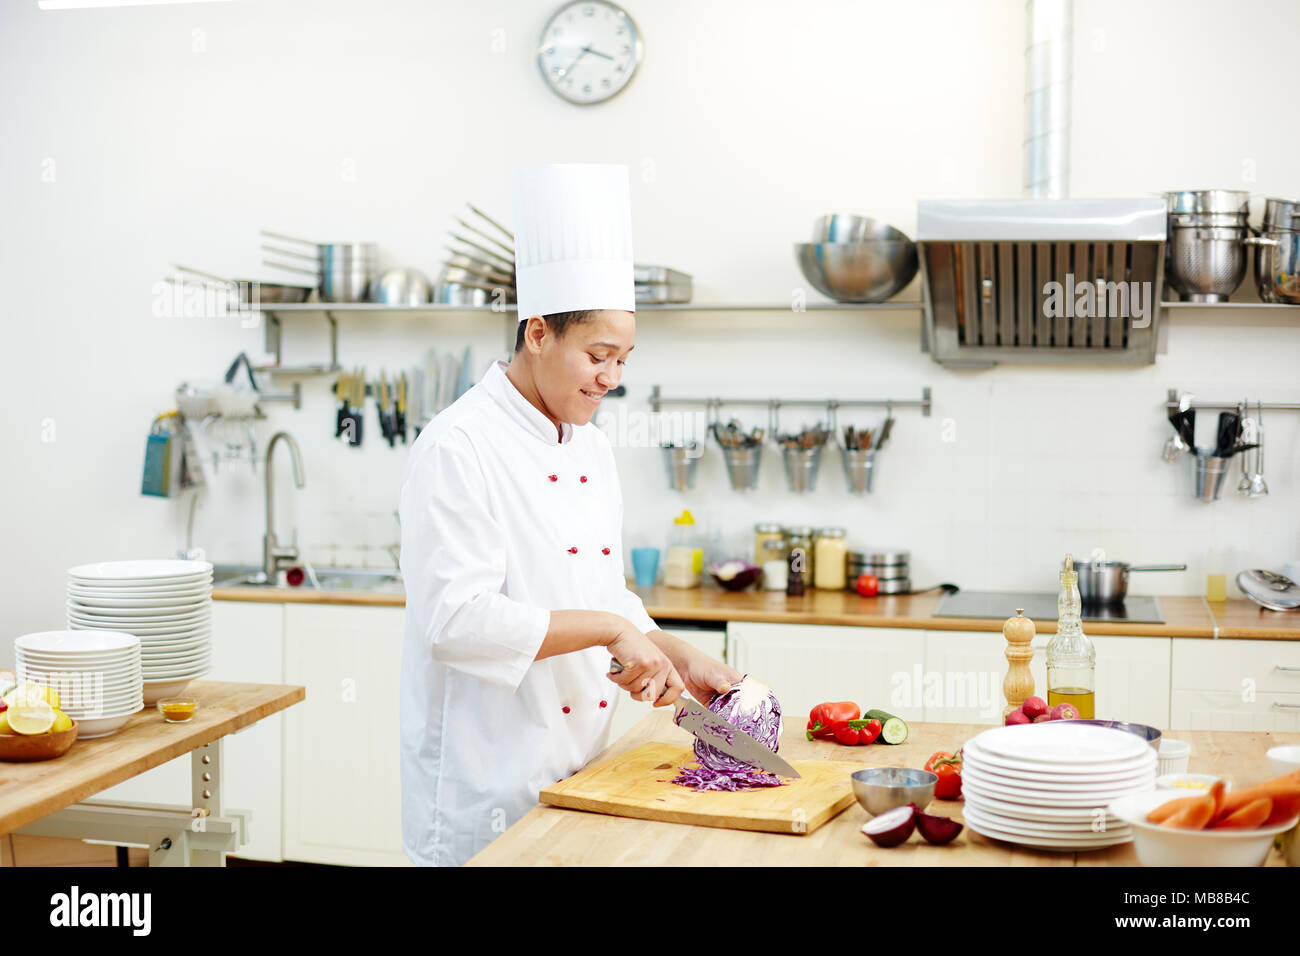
(628, 712)
(1133, 676)
(806, 664)
(1231, 684)
(963, 676)
(342, 783)
(247, 647)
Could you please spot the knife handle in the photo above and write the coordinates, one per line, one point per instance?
(615, 667)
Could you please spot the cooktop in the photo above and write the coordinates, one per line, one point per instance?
(1003, 604)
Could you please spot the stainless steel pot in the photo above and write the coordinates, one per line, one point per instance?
(1281, 214)
(1106, 582)
(346, 270)
(1208, 201)
(1276, 265)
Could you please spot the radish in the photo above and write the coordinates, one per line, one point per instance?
(1033, 706)
(1065, 712)
(891, 827)
(1017, 716)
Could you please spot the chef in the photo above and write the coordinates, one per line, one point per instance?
(512, 550)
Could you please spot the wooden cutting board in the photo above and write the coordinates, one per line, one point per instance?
(637, 784)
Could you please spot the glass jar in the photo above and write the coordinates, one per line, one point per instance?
(775, 565)
(830, 555)
(800, 538)
(763, 533)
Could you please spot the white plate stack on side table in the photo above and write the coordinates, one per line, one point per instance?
(1049, 785)
(166, 603)
(97, 675)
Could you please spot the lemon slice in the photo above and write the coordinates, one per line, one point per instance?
(31, 692)
(31, 718)
(4, 723)
(62, 722)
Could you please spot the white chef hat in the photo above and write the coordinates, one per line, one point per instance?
(573, 239)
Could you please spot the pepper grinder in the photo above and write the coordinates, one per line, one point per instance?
(1019, 684)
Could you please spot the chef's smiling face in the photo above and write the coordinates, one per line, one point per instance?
(572, 372)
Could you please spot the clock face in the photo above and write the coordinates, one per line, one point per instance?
(588, 51)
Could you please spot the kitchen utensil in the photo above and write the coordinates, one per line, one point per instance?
(1258, 487)
(1233, 202)
(858, 271)
(847, 227)
(1276, 265)
(492, 222)
(880, 789)
(682, 462)
(1269, 589)
(1205, 264)
(1209, 472)
(402, 287)
(859, 469)
(21, 748)
(1106, 582)
(251, 293)
(1229, 431)
(1157, 845)
(638, 784)
(493, 271)
(344, 270)
(695, 718)
(1283, 759)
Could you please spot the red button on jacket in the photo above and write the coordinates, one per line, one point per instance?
(573, 551)
(565, 708)
(604, 550)
(553, 477)
(583, 479)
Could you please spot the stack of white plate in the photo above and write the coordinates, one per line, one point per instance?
(96, 674)
(1050, 785)
(165, 603)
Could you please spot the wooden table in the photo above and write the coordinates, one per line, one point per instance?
(49, 798)
(549, 836)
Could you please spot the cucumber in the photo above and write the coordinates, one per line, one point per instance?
(893, 730)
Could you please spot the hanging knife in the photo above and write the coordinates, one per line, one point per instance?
(709, 728)
(399, 420)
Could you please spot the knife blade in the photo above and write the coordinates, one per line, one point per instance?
(707, 727)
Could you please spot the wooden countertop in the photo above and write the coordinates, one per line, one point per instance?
(1184, 616)
(549, 836)
(29, 791)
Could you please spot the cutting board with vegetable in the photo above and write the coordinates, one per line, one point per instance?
(638, 784)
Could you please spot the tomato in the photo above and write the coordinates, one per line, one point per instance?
(868, 585)
(948, 768)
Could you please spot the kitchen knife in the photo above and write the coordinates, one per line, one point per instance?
(709, 728)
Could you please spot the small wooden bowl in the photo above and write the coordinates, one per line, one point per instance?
(18, 748)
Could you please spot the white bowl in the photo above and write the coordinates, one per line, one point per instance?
(1284, 759)
(1169, 846)
(74, 642)
(155, 691)
(1174, 756)
(88, 728)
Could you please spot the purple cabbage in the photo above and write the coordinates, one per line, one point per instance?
(751, 707)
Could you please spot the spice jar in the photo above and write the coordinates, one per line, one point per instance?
(763, 533)
(800, 537)
(776, 567)
(830, 557)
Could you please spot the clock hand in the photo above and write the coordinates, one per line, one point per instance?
(575, 61)
(587, 49)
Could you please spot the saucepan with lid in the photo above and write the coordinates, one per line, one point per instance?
(1106, 582)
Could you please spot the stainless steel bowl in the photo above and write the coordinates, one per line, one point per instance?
(846, 227)
(1275, 258)
(1106, 582)
(1206, 264)
(1208, 201)
(401, 287)
(1149, 734)
(880, 789)
(858, 271)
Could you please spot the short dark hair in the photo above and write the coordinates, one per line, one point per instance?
(558, 321)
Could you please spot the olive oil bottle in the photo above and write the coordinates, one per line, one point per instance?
(1071, 657)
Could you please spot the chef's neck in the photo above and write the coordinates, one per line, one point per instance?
(523, 376)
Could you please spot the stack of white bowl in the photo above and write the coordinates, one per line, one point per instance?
(96, 674)
(166, 603)
(1050, 784)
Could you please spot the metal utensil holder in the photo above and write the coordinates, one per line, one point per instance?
(682, 463)
(859, 463)
(1209, 472)
(742, 461)
(801, 464)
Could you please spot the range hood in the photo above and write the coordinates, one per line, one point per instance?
(1041, 280)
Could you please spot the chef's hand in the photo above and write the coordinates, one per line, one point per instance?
(703, 675)
(648, 674)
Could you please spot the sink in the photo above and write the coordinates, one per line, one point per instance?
(327, 579)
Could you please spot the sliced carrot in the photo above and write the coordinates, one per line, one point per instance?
(1166, 810)
(1284, 808)
(1195, 817)
(1249, 817)
(1274, 790)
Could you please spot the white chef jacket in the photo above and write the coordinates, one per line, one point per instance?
(502, 522)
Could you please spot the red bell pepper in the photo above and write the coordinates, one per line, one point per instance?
(855, 732)
(948, 768)
(823, 718)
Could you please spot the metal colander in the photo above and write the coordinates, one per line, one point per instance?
(1206, 264)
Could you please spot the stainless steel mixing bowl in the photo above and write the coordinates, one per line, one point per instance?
(858, 271)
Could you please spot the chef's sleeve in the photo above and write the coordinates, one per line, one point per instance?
(454, 567)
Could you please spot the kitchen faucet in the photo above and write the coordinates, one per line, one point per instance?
(275, 557)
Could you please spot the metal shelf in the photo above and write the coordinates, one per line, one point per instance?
(342, 308)
(1227, 305)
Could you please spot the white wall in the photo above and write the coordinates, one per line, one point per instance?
(175, 133)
